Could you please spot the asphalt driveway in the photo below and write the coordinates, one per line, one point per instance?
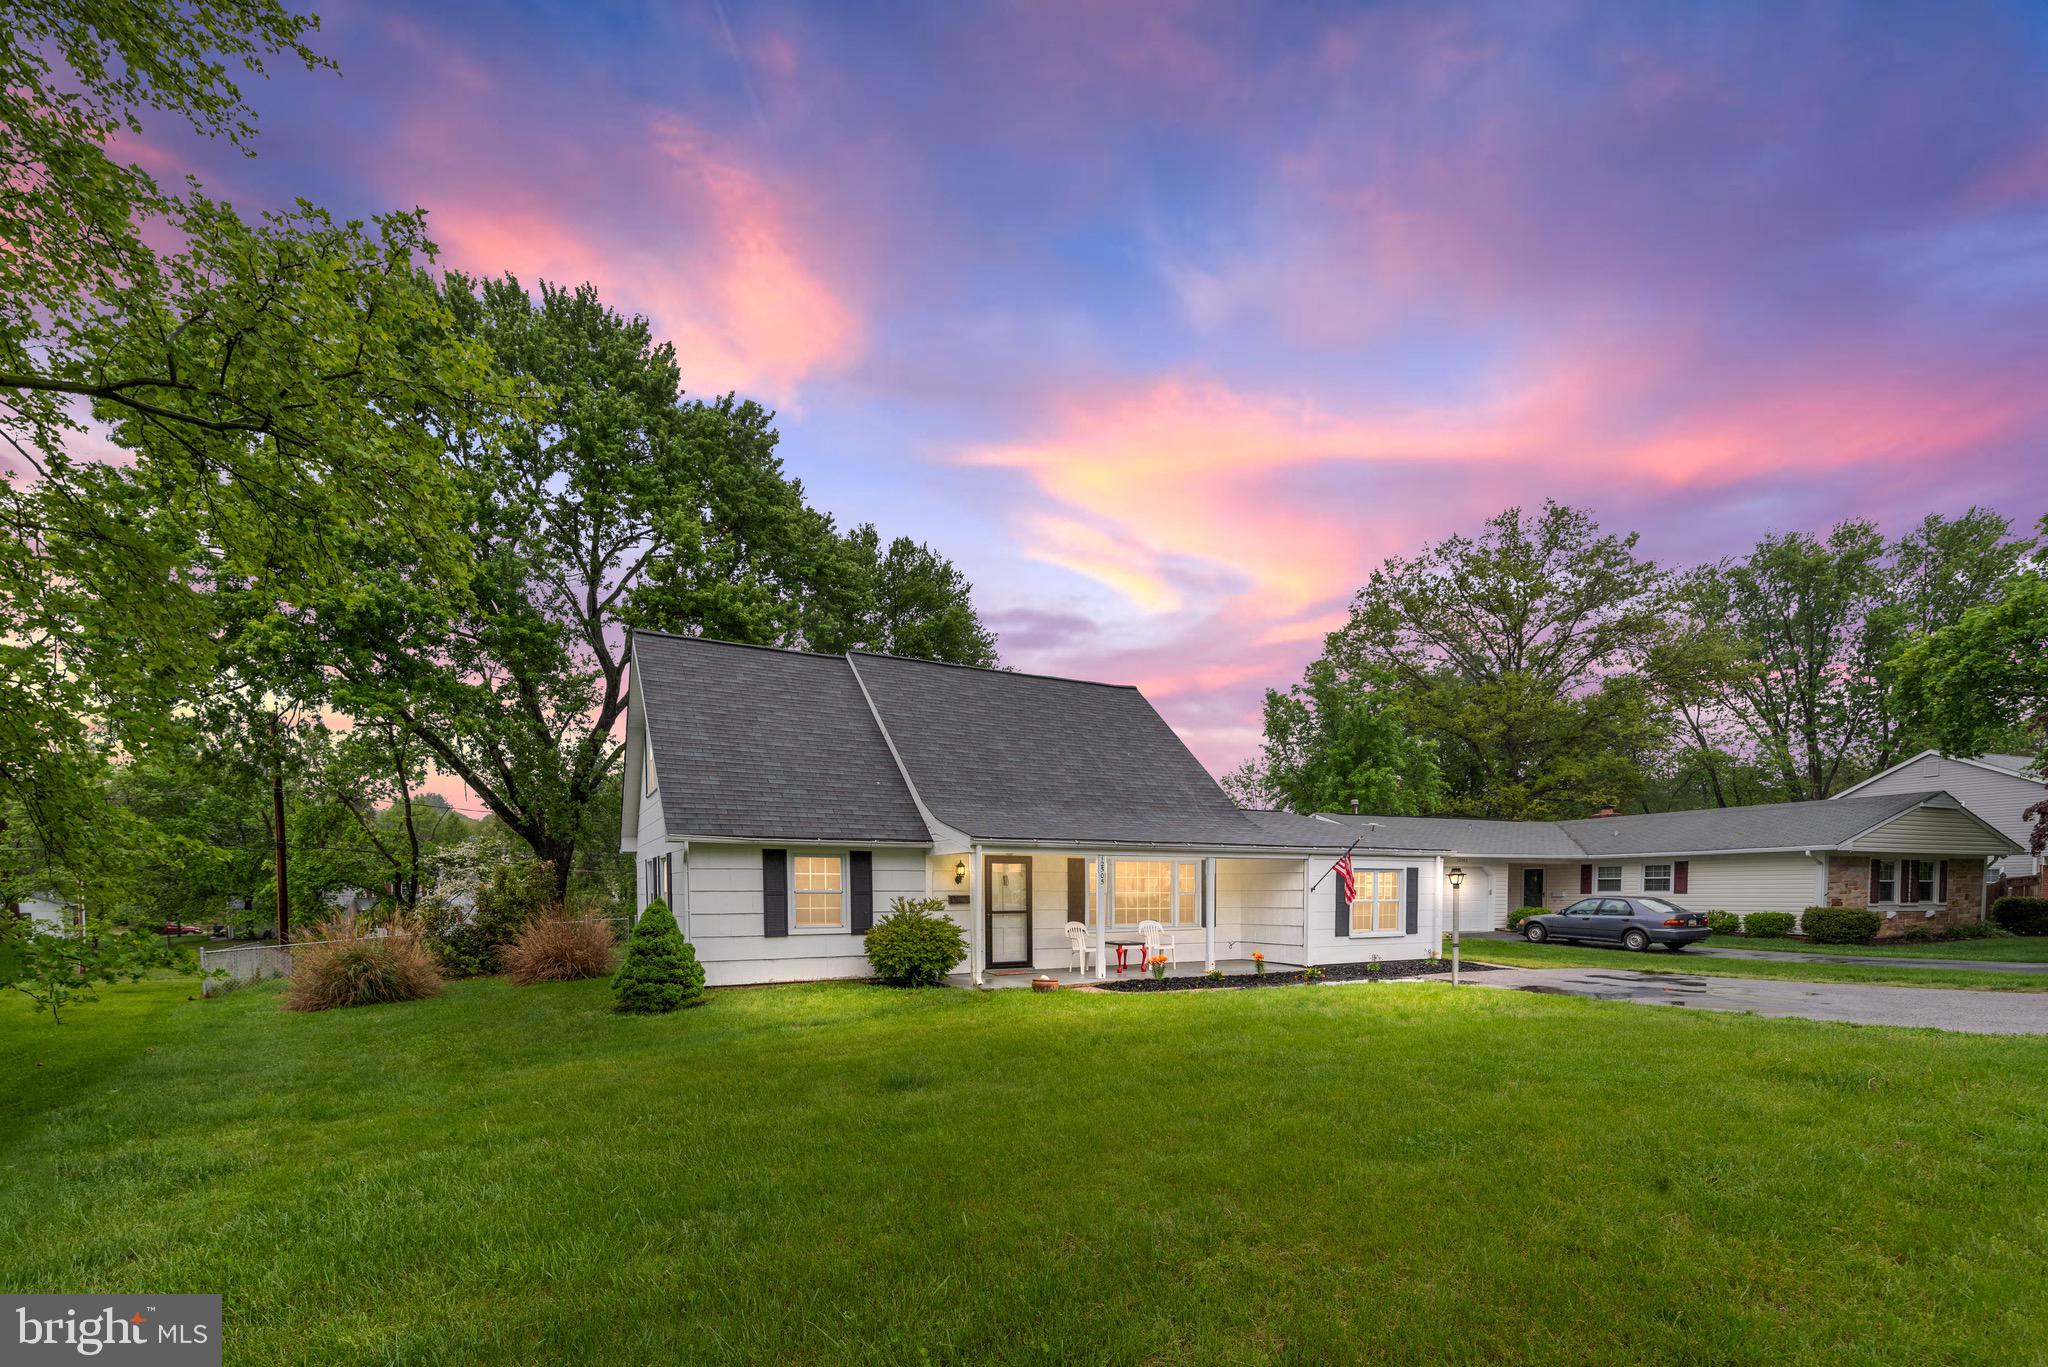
(1938, 1008)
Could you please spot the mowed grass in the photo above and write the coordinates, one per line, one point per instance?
(2012, 949)
(1394, 1172)
(1522, 954)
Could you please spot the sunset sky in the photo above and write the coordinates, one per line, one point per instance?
(1168, 322)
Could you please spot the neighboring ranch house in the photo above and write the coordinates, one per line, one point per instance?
(48, 911)
(1997, 788)
(780, 802)
(1917, 857)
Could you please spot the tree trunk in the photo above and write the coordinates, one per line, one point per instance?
(284, 913)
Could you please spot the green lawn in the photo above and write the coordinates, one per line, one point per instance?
(1394, 1172)
(2013, 949)
(1522, 954)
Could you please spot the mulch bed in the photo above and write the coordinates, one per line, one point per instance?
(1332, 973)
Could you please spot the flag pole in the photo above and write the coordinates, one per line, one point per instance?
(1335, 862)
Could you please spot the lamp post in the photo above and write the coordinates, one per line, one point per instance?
(1457, 879)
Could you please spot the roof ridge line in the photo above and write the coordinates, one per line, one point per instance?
(990, 669)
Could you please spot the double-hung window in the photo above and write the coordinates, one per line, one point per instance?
(1884, 880)
(819, 881)
(1376, 905)
(1607, 878)
(1166, 891)
(1656, 878)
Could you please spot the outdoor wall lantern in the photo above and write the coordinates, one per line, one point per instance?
(959, 871)
(1457, 876)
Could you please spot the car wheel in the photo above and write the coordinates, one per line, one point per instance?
(1635, 940)
(1534, 932)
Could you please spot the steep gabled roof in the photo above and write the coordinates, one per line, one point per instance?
(1028, 757)
(751, 742)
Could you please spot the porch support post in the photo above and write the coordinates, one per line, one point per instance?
(977, 952)
(1102, 881)
(1209, 914)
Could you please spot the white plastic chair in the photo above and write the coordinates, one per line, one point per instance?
(1157, 942)
(1077, 936)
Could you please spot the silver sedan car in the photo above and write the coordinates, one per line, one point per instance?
(1631, 922)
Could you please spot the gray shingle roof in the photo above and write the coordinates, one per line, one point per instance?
(1464, 835)
(1008, 756)
(2012, 764)
(1778, 826)
(754, 742)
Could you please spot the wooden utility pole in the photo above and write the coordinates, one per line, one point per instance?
(284, 922)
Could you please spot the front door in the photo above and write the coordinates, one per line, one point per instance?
(1532, 887)
(1009, 912)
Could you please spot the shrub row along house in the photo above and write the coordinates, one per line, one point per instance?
(779, 801)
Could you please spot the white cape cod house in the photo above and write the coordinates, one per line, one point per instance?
(780, 801)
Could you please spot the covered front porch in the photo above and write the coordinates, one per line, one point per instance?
(1067, 976)
(1016, 907)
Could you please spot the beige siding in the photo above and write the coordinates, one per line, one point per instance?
(1743, 883)
(1930, 831)
(726, 918)
(1997, 798)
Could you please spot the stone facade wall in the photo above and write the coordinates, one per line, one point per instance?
(1848, 880)
(1964, 906)
(1849, 886)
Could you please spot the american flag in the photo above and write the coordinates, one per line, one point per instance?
(1344, 877)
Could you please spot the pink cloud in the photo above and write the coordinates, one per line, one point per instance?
(725, 259)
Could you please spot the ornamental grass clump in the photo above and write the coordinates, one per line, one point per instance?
(661, 972)
(365, 971)
(560, 949)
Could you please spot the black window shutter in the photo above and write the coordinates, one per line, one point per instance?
(1077, 890)
(1585, 879)
(1414, 880)
(1343, 907)
(668, 879)
(1941, 882)
(1681, 876)
(1876, 876)
(863, 879)
(775, 892)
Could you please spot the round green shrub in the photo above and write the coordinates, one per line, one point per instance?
(1774, 925)
(1521, 914)
(1841, 925)
(661, 971)
(917, 944)
(1724, 923)
(2021, 915)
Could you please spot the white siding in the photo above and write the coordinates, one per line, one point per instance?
(1996, 798)
(1259, 909)
(1326, 946)
(724, 883)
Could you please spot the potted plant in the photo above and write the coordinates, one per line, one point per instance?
(1045, 982)
(1157, 963)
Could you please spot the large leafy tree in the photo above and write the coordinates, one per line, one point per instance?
(1976, 681)
(1511, 652)
(607, 502)
(266, 380)
(1811, 623)
(1332, 742)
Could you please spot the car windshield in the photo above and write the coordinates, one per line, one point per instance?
(1659, 904)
